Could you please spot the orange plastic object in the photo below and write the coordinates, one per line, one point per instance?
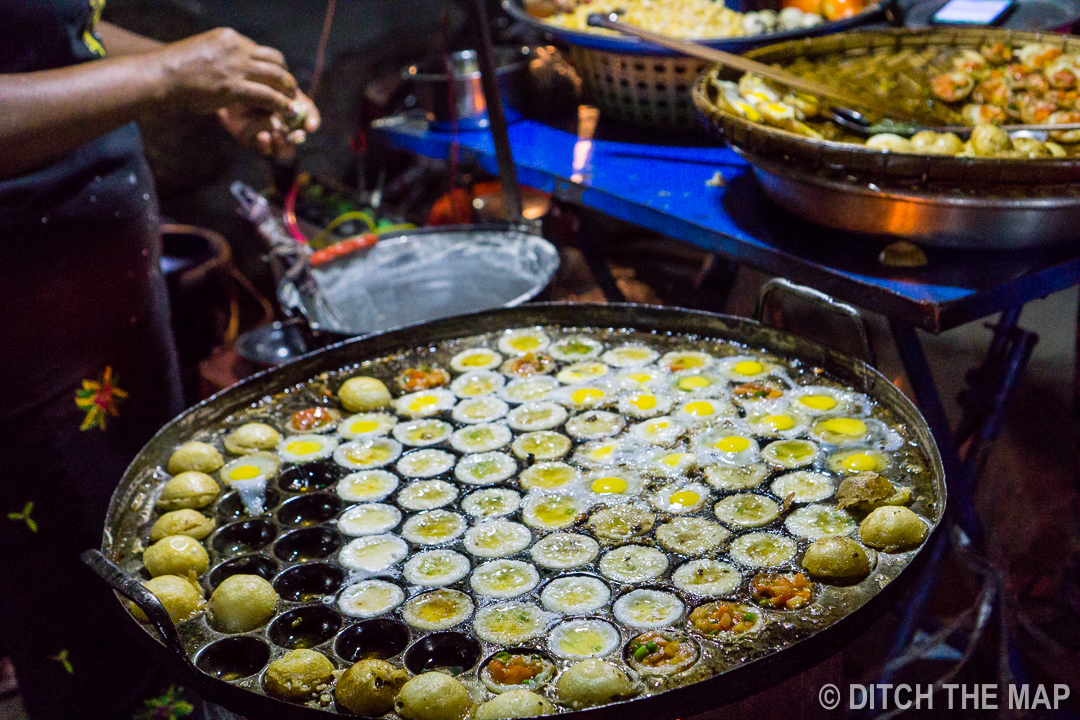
(349, 245)
(840, 9)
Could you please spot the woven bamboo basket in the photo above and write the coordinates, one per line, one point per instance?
(640, 83)
(912, 57)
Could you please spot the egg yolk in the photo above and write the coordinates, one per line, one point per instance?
(303, 447)
(608, 485)
(793, 450)
(674, 459)
(602, 453)
(778, 423)
(859, 462)
(437, 609)
(585, 395)
(244, 472)
(362, 456)
(732, 444)
(684, 498)
(694, 383)
(749, 367)
(558, 512)
(845, 426)
(643, 402)
(658, 426)
(687, 362)
(525, 343)
(475, 387)
(364, 426)
(640, 377)
(700, 408)
(818, 402)
(582, 641)
(422, 403)
(634, 353)
(477, 360)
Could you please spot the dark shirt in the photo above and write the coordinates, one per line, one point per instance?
(98, 183)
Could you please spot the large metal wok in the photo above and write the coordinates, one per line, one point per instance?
(132, 503)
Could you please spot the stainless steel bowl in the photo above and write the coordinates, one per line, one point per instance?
(461, 99)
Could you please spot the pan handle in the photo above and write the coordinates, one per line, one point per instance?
(135, 591)
(819, 299)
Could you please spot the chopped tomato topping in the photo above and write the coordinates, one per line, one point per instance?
(423, 378)
(507, 669)
(311, 418)
(781, 591)
(756, 390)
(530, 364)
(722, 617)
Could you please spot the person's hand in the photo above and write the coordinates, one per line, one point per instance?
(222, 68)
(266, 132)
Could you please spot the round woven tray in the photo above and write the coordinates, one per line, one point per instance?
(912, 56)
(644, 84)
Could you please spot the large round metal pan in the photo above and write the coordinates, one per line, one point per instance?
(934, 219)
(634, 46)
(132, 500)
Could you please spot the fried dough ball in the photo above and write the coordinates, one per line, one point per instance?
(181, 598)
(987, 140)
(892, 528)
(298, 674)
(593, 682)
(198, 456)
(867, 491)
(360, 394)
(368, 688)
(836, 558)
(182, 522)
(191, 489)
(515, 704)
(433, 696)
(176, 555)
(241, 603)
(252, 437)
(890, 142)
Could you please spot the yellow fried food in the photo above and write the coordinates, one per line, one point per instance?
(176, 555)
(593, 682)
(298, 674)
(836, 558)
(241, 603)
(198, 456)
(867, 491)
(191, 489)
(515, 704)
(182, 522)
(360, 394)
(252, 437)
(892, 529)
(368, 688)
(181, 597)
(433, 696)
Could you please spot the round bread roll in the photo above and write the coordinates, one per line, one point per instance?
(433, 696)
(892, 528)
(241, 603)
(191, 490)
(298, 674)
(182, 598)
(252, 437)
(182, 522)
(368, 688)
(836, 558)
(515, 704)
(360, 394)
(593, 682)
(176, 555)
(195, 456)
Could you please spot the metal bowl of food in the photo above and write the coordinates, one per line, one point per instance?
(589, 510)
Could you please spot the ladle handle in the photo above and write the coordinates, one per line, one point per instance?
(137, 593)
(693, 49)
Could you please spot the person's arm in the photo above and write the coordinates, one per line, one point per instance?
(119, 42)
(45, 115)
